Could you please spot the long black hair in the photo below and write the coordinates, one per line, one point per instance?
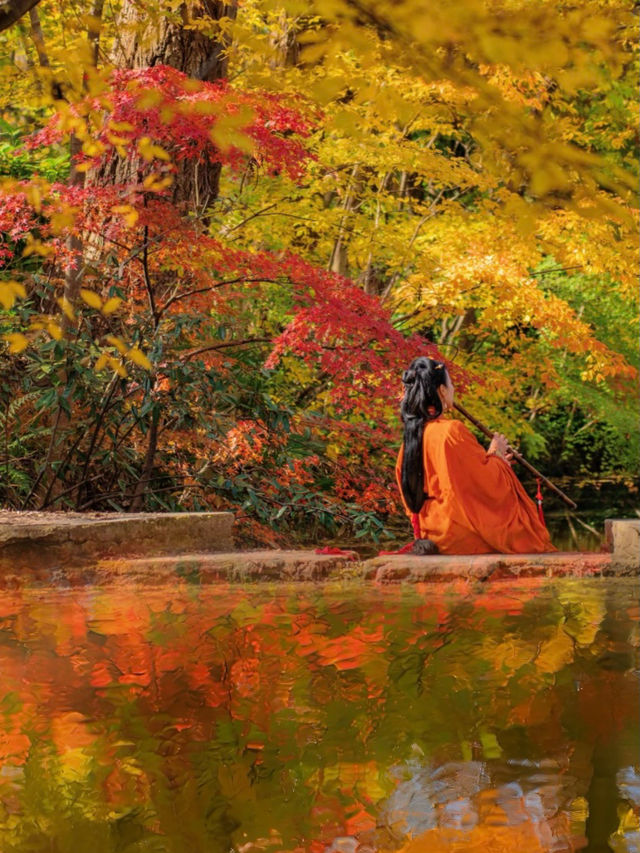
(421, 403)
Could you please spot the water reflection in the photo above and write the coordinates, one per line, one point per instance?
(321, 719)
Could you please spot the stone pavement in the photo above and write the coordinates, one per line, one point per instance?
(38, 549)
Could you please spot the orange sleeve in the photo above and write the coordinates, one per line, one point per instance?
(486, 494)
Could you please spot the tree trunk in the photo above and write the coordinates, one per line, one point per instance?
(147, 467)
(147, 41)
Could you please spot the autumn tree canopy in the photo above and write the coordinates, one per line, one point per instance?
(227, 229)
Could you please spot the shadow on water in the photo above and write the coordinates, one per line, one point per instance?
(328, 719)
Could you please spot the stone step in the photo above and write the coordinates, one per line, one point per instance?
(483, 567)
(67, 549)
(299, 566)
(40, 539)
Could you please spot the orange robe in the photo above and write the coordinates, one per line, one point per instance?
(476, 503)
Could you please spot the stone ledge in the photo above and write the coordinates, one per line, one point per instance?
(483, 567)
(199, 568)
(47, 540)
(301, 566)
(72, 549)
(622, 537)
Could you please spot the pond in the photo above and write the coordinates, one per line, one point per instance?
(328, 719)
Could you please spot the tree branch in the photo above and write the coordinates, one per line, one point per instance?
(210, 347)
(147, 280)
(180, 296)
(11, 12)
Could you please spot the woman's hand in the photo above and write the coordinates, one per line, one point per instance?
(500, 447)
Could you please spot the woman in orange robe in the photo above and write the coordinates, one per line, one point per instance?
(461, 498)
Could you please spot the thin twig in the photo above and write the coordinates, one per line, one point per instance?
(177, 297)
(147, 280)
(210, 347)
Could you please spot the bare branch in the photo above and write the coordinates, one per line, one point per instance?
(224, 345)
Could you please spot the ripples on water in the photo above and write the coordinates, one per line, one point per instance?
(323, 719)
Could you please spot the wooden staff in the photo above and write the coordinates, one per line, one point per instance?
(517, 457)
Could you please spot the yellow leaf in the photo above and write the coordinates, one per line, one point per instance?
(66, 307)
(346, 121)
(230, 131)
(121, 125)
(328, 89)
(148, 99)
(118, 367)
(9, 292)
(36, 247)
(155, 183)
(111, 305)
(92, 299)
(62, 219)
(101, 362)
(92, 148)
(150, 151)
(118, 141)
(207, 108)
(16, 341)
(138, 357)
(131, 218)
(129, 213)
(226, 138)
(54, 330)
(118, 343)
(34, 195)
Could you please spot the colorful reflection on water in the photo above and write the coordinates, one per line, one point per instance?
(327, 719)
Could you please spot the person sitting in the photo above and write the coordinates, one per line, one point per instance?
(461, 499)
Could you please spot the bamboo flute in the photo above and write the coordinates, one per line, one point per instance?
(517, 457)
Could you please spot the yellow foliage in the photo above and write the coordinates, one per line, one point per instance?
(111, 305)
(150, 151)
(54, 330)
(118, 367)
(156, 183)
(584, 609)
(228, 131)
(129, 214)
(508, 656)
(118, 343)
(17, 341)
(138, 357)
(91, 298)
(555, 652)
(62, 219)
(9, 292)
(101, 362)
(66, 308)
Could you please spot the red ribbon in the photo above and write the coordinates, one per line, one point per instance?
(415, 523)
(330, 549)
(539, 500)
(404, 550)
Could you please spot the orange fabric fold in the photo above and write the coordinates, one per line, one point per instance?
(476, 503)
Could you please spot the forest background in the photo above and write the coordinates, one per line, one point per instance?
(226, 229)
